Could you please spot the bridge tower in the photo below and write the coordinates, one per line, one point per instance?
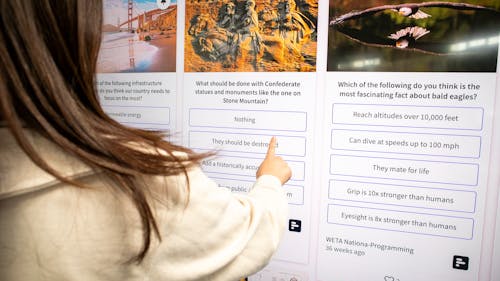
(130, 7)
(130, 40)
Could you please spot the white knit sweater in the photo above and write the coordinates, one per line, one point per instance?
(53, 231)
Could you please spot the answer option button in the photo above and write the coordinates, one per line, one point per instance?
(444, 172)
(294, 193)
(230, 165)
(294, 121)
(247, 143)
(466, 146)
(401, 221)
(403, 195)
(411, 116)
(139, 114)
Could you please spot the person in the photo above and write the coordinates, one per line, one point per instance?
(83, 197)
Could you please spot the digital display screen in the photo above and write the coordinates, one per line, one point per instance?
(387, 113)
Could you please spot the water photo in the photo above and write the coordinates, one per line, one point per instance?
(138, 36)
(437, 36)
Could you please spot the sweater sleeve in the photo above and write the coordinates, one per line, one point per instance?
(219, 235)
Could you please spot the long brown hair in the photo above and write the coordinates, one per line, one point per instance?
(48, 57)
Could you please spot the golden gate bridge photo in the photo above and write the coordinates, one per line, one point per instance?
(144, 42)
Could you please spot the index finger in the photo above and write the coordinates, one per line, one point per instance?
(271, 147)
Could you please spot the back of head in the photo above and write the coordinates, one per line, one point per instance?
(48, 55)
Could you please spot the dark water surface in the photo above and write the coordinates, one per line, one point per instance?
(457, 41)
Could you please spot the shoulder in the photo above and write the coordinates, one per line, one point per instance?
(18, 173)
